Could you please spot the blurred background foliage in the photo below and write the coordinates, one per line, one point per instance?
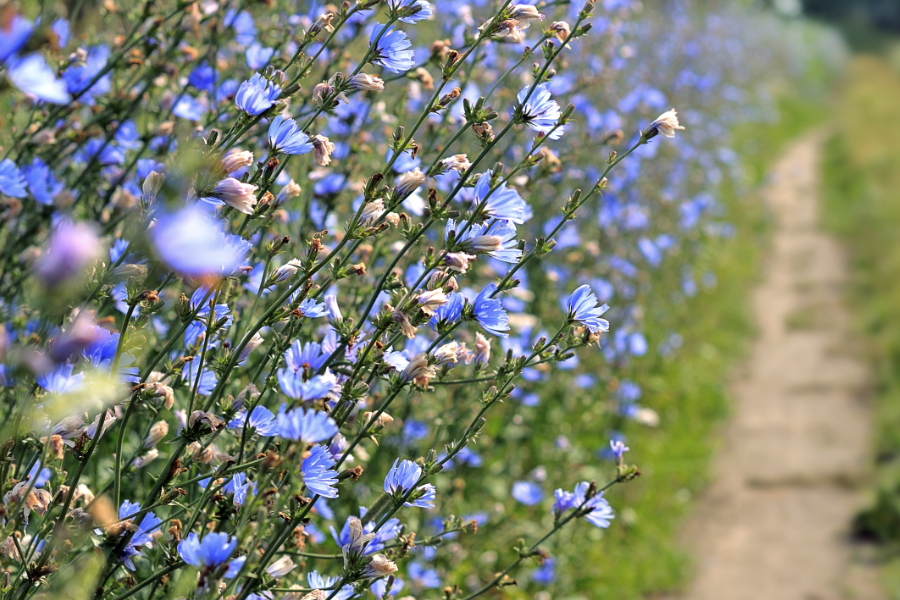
(862, 205)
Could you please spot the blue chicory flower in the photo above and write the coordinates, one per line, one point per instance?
(285, 137)
(12, 182)
(318, 471)
(212, 551)
(257, 95)
(392, 49)
(601, 513)
(490, 314)
(308, 426)
(403, 477)
(415, 10)
(33, 76)
(500, 203)
(584, 308)
(540, 112)
(527, 492)
(261, 420)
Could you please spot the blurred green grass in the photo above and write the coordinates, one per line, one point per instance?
(862, 202)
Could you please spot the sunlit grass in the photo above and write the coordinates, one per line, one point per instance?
(862, 179)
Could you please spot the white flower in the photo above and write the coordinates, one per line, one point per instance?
(429, 301)
(236, 194)
(322, 150)
(287, 270)
(152, 184)
(281, 567)
(409, 181)
(418, 369)
(457, 162)
(366, 83)
(159, 430)
(665, 124)
(372, 210)
(482, 349)
(525, 13)
(236, 159)
(380, 566)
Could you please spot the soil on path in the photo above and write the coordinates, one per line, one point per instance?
(773, 524)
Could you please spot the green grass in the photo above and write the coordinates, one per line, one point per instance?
(641, 555)
(862, 204)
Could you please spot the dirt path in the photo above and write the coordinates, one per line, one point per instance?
(773, 524)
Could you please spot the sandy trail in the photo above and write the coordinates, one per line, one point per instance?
(773, 525)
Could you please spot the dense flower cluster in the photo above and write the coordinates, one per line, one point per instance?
(274, 271)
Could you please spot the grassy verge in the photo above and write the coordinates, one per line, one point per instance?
(641, 556)
(862, 176)
(689, 390)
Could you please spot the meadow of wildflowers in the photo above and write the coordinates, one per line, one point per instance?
(294, 292)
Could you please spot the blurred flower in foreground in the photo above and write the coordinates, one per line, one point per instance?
(193, 244)
(527, 493)
(72, 247)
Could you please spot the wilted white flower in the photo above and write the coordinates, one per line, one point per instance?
(251, 345)
(152, 184)
(322, 150)
(235, 160)
(458, 261)
(158, 390)
(69, 426)
(29, 500)
(287, 270)
(482, 349)
(372, 210)
(525, 13)
(83, 493)
(142, 461)
(406, 327)
(380, 566)
(457, 162)
(158, 431)
(410, 181)
(290, 190)
(429, 301)
(281, 567)
(447, 354)
(418, 370)
(561, 30)
(236, 194)
(358, 540)
(665, 124)
(366, 83)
